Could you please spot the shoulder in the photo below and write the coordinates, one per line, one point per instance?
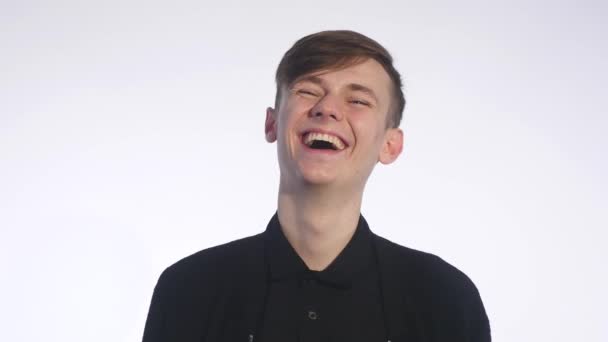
(211, 267)
(429, 280)
(424, 265)
(436, 290)
(188, 291)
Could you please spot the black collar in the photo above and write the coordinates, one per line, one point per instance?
(355, 259)
(386, 256)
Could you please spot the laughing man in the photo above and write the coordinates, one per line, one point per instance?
(317, 272)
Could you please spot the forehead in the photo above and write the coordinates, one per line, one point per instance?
(368, 74)
(366, 71)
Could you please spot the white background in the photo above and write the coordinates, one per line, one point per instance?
(131, 135)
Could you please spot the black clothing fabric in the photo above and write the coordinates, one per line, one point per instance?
(244, 291)
(340, 303)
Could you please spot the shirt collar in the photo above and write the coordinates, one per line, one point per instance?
(284, 263)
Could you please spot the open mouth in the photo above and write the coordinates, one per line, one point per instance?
(323, 141)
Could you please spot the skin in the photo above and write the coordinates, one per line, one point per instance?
(320, 192)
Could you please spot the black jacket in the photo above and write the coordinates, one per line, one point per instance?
(217, 294)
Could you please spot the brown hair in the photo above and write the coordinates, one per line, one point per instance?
(334, 50)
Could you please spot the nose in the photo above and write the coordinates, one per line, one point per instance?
(327, 107)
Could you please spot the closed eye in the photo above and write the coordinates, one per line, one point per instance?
(306, 92)
(360, 102)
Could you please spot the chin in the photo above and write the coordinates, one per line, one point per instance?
(317, 174)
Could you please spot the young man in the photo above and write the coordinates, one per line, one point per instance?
(318, 273)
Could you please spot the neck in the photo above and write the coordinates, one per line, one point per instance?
(317, 222)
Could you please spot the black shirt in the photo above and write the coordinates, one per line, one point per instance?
(248, 290)
(341, 303)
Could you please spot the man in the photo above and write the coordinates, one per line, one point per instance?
(318, 273)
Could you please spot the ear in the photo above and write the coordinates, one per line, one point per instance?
(270, 127)
(392, 146)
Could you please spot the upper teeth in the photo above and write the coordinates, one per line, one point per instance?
(335, 141)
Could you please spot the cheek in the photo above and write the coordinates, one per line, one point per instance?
(287, 126)
(367, 126)
(294, 110)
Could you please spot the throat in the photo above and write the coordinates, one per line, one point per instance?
(317, 239)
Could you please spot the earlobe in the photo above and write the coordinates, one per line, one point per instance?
(270, 126)
(393, 145)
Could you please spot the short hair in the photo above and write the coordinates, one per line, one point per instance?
(335, 50)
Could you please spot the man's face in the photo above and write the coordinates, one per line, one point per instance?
(330, 126)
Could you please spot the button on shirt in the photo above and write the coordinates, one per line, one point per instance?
(340, 303)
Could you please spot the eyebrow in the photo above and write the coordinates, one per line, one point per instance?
(352, 86)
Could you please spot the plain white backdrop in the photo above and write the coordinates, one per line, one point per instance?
(131, 135)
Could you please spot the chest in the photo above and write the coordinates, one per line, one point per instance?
(310, 311)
